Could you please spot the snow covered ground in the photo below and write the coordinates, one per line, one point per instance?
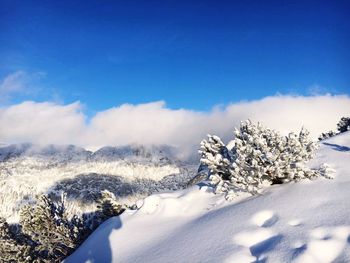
(306, 221)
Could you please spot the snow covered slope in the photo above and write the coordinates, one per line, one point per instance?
(297, 222)
(130, 172)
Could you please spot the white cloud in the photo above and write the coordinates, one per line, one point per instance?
(154, 123)
(42, 123)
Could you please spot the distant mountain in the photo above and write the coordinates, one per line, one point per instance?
(65, 152)
(137, 153)
(70, 153)
(13, 151)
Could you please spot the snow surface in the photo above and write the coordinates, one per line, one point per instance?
(306, 221)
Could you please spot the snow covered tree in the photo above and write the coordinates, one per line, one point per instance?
(256, 156)
(344, 124)
(48, 226)
(13, 246)
(108, 205)
(47, 234)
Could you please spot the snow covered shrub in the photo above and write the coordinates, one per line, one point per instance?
(326, 135)
(344, 124)
(256, 156)
(108, 205)
(53, 234)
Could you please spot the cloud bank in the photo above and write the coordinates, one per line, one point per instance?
(154, 123)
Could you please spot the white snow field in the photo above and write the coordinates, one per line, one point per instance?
(308, 221)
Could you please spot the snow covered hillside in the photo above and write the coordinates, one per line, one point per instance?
(130, 172)
(306, 221)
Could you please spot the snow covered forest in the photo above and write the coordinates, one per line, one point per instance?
(241, 201)
(130, 172)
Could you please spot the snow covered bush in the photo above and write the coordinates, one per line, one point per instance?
(257, 156)
(108, 205)
(344, 124)
(326, 135)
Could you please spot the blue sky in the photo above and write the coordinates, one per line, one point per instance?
(191, 54)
